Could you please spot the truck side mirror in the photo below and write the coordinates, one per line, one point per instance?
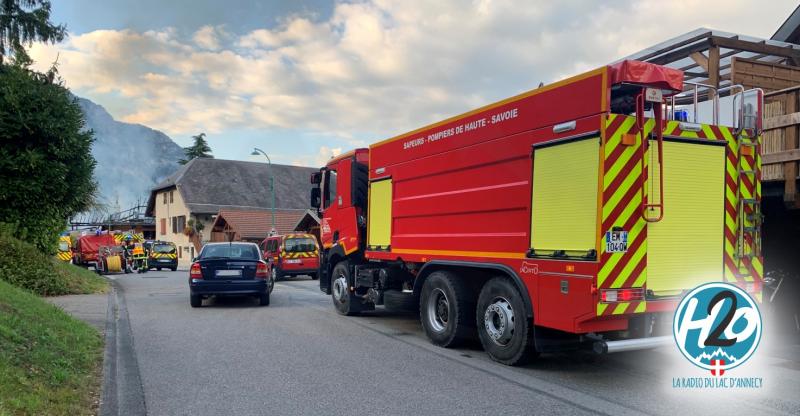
(315, 197)
(316, 178)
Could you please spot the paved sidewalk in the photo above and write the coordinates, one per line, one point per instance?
(92, 309)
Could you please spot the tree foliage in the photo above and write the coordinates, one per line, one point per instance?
(46, 164)
(23, 22)
(200, 148)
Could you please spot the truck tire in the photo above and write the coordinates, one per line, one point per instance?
(276, 273)
(396, 300)
(196, 301)
(446, 309)
(263, 299)
(505, 331)
(345, 302)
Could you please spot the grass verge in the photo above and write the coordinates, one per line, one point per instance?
(49, 361)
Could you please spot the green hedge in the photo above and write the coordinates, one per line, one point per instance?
(23, 265)
(46, 161)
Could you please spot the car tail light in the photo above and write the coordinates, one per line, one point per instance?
(195, 273)
(261, 271)
(621, 295)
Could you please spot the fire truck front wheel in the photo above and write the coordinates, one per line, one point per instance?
(505, 332)
(345, 302)
(446, 309)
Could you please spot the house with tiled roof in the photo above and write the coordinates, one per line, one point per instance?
(186, 204)
(253, 225)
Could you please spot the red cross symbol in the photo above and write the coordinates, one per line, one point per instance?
(716, 367)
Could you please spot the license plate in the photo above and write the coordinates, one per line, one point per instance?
(229, 273)
(164, 260)
(294, 261)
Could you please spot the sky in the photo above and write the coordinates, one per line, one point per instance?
(307, 79)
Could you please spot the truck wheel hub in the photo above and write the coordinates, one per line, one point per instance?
(499, 321)
(340, 289)
(438, 309)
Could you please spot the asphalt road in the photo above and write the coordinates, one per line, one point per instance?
(297, 356)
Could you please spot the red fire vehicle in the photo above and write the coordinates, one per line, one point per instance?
(291, 255)
(87, 247)
(574, 215)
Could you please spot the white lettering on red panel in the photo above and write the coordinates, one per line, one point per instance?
(468, 126)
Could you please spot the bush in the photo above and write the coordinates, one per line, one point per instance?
(23, 265)
(46, 162)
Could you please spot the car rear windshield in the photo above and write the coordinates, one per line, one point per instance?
(299, 245)
(231, 251)
(63, 246)
(164, 248)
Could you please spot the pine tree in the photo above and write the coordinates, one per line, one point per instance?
(200, 148)
(23, 22)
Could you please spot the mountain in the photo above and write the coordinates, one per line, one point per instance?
(131, 158)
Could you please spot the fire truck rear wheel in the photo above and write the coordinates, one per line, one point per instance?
(503, 327)
(446, 309)
(345, 302)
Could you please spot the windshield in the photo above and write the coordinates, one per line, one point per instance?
(63, 246)
(164, 248)
(232, 251)
(299, 245)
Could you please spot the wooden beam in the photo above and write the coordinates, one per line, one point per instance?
(679, 54)
(713, 67)
(790, 143)
(781, 157)
(673, 46)
(755, 47)
(781, 121)
(700, 59)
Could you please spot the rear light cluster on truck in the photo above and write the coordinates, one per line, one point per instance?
(195, 273)
(261, 271)
(621, 295)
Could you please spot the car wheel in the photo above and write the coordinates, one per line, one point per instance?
(196, 300)
(277, 274)
(446, 309)
(173, 268)
(314, 276)
(345, 302)
(504, 329)
(158, 268)
(263, 299)
(396, 300)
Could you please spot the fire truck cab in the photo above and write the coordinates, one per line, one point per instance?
(573, 215)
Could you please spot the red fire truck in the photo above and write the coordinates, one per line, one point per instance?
(574, 215)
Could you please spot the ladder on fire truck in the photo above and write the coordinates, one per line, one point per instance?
(749, 217)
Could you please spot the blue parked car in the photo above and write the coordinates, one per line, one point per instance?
(223, 269)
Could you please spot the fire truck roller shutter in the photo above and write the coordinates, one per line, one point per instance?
(685, 248)
(379, 217)
(564, 205)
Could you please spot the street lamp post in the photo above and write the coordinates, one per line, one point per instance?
(256, 152)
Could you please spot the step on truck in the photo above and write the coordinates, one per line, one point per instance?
(571, 216)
